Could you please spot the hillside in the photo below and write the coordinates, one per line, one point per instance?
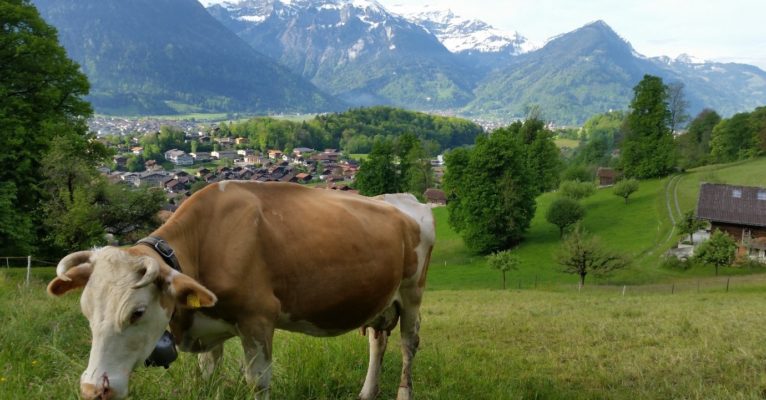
(592, 70)
(640, 229)
(582, 73)
(170, 56)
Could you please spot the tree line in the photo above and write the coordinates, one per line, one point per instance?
(52, 200)
(355, 130)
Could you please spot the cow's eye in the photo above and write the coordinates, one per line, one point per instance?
(137, 314)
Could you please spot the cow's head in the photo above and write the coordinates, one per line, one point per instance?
(128, 299)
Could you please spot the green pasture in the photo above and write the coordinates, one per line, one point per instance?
(747, 173)
(571, 143)
(475, 344)
(640, 229)
(643, 333)
(637, 229)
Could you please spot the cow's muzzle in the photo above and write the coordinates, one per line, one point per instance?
(164, 352)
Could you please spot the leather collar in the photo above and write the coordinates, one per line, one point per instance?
(163, 249)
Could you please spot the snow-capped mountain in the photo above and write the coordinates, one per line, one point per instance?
(460, 34)
(355, 49)
(726, 87)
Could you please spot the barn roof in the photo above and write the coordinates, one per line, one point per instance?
(740, 205)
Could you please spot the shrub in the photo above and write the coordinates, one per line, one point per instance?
(577, 190)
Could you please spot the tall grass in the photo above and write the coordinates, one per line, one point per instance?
(475, 345)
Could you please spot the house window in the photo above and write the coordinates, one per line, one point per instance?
(761, 195)
(736, 193)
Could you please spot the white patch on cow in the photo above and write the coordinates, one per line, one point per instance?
(206, 333)
(410, 206)
(222, 185)
(287, 323)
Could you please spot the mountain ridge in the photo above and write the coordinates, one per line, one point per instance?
(354, 49)
(163, 57)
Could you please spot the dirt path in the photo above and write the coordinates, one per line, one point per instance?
(672, 183)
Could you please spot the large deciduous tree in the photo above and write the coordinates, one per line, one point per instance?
(694, 145)
(40, 99)
(491, 192)
(677, 104)
(647, 150)
(733, 139)
(378, 173)
(395, 166)
(541, 155)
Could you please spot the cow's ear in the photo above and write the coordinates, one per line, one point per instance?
(78, 278)
(189, 293)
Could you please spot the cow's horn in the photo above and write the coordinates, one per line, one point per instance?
(151, 274)
(70, 261)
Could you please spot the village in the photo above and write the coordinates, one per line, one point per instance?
(188, 172)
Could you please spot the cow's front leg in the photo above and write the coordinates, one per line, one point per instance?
(208, 361)
(378, 341)
(256, 343)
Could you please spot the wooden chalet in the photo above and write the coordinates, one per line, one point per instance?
(739, 211)
(435, 196)
(606, 176)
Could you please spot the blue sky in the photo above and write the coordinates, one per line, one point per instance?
(720, 30)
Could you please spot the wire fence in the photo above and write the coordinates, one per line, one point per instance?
(24, 262)
(698, 285)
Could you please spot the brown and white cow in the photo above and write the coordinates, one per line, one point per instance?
(256, 257)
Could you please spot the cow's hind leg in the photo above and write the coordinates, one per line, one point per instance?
(208, 361)
(378, 341)
(410, 326)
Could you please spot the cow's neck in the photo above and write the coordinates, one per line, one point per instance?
(184, 240)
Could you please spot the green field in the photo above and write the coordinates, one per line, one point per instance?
(644, 333)
(571, 143)
(475, 344)
(640, 229)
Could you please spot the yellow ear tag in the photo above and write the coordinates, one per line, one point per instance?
(193, 301)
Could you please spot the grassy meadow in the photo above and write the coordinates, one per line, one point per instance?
(640, 229)
(476, 344)
(667, 335)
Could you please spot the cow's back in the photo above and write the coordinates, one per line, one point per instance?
(331, 260)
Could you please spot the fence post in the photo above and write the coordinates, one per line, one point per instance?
(623, 290)
(727, 284)
(29, 268)
(673, 289)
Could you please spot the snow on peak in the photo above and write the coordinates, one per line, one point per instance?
(459, 34)
(257, 11)
(689, 59)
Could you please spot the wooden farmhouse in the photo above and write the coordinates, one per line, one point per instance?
(606, 176)
(739, 211)
(435, 197)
